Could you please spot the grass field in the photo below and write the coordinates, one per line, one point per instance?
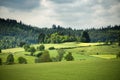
(80, 51)
(105, 56)
(71, 70)
(92, 61)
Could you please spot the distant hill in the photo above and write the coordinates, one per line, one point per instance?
(13, 33)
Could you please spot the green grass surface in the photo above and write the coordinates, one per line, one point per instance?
(80, 51)
(71, 70)
(87, 65)
(105, 56)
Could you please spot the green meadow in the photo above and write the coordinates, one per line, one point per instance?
(92, 61)
(71, 70)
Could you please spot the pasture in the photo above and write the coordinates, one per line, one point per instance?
(69, 70)
(80, 51)
(92, 61)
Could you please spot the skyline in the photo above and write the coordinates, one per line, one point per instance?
(79, 14)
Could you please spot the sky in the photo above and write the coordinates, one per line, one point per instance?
(79, 14)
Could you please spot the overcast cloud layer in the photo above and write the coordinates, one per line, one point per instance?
(68, 13)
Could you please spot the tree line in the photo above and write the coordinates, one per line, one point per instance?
(14, 34)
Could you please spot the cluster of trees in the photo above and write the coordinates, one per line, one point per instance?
(32, 49)
(10, 60)
(44, 56)
(13, 33)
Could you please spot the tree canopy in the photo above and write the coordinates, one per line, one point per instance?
(13, 34)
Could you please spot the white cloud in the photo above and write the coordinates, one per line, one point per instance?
(76, 14)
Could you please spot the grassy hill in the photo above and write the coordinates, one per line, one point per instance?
(93, 61)
(80, 51)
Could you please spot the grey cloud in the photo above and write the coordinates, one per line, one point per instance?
(20, 4)
(63, 12)
(62, 1)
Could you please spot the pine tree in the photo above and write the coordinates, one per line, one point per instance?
(85, 37)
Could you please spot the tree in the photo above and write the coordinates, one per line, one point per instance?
(22, 60)
(41, 47)
(10, 59)
(69, 57)
(41, 38)
(22, 44)
(119, 40)
(85, 37)
(61, 53)
(54, 26)
(26, 47)
(32, 50)
(45, 57)
(0, 51)
(0, 61)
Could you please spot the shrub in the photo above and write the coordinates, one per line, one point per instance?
(118, 55)
(32, 50)
(69, 57)
(54, 59)
(45, 57)
(10, 59)
(97, 53)
(0, 61)
(22, 60)
(39, 54)
(37, 60)
(26, 47)
(41, 48)
(51, 48)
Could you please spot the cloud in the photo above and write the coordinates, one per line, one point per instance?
(68, 13)
(62, 1)
(20, 4)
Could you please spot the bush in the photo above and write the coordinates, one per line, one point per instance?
(41, 48)
(39, 54)
(10, 59)
(26, 47)
(54, 59)
(45, 57)
(37, 60)
(32, 50)
(118, 55)
(0, 61)
(69, 57)
(22, 60)
(97, 53)
(51, 48)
